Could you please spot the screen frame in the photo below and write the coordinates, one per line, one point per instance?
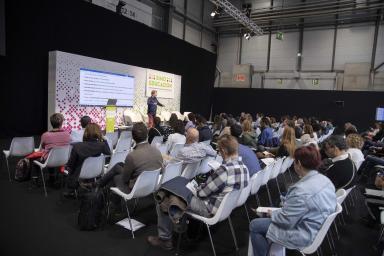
(109, 73)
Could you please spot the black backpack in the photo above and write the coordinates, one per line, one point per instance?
(91, 210)
(23, 170)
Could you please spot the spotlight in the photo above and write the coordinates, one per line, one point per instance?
(247, 36)
(299, 54)
(216, 12)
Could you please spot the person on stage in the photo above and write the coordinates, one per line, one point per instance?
(152, 107)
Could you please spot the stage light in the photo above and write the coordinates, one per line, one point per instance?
(299, 54)
(216, 12)
(247, 36)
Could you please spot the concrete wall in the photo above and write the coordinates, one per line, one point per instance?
(352, 59)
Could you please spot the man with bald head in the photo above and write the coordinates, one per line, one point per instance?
(194, 151)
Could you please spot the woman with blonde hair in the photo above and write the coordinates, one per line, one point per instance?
(288, 143)
(355, 143)
(248, 137)
(287, 146)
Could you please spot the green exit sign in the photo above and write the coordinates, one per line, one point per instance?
(279, 35)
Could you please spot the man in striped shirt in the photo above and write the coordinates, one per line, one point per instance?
(231, 175)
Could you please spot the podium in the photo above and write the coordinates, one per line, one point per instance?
(110, 115)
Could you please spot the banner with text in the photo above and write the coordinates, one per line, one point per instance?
(162, 82)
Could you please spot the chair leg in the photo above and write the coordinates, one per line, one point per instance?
(290, 175)
(129, 218)
(210, 238)
(381, 234)
(285, 180)
(9, 172)
(269, 195)
(233, 233)
(278, 187)
(246, 212)
(337, 231)
(178, 245)
(330, 243)
(42, 177)
(257, 199)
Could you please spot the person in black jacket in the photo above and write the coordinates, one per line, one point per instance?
(342, 171)
(204, 132)
(93, 145)
(152, 103)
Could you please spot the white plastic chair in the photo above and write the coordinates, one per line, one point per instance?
(123, 144)
(175, 149)
(244, 194)
(256, 182)
(318, 238)
(219, 159)
(322, 232)
(224, 212)
(267, 173)
(117, 157)
(114, 137)
(190, 170)
(20, 146)
(145, 184)
(206, 142)
(341, 195)
(171, 170)
(57, 157)
(125, 134)
(204, 167)
(276, 171)
(157, 140)
(285, 167)
(92, 167)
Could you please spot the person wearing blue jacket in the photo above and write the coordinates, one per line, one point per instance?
(152, 103)
(305, 207)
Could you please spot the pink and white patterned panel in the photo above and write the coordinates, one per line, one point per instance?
(67, 89)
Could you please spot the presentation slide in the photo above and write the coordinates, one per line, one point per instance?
(96, 87)
(379, 114)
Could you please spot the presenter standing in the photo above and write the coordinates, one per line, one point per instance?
(152, 107)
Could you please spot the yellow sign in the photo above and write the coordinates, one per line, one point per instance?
(110, 115)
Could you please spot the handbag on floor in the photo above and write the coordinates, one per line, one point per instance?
(23, 170)
(91, 210)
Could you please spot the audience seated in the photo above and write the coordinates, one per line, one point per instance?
(287, 146)
(56, 137)
(248, 136)
(342, 171)
(308, 137)
(92, 145)
(176, 138)
(248, 157)
(77, 135)
(144, 157)
(232, 175)
(266, 132)
(194, 151)
(355, 143)
(226, 130)
(191, 121)
(204, 132)
(304, 208)
(156, 130)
